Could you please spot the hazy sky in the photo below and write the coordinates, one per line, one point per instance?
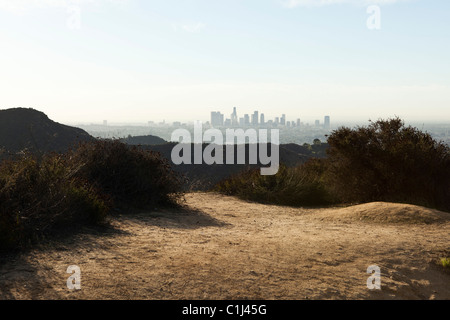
(141, 60)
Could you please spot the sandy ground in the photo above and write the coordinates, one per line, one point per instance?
(225, 248)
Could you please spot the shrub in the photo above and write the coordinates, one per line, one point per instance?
(445, 262)
(39, 195)
(387, 161)
(298, 186)
(128, 174)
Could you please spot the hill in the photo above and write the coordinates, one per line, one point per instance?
(143, 140)
(22, 128)
(204, 176)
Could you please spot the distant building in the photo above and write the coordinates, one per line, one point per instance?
(262, 121)
(105, 122)
(326, 123)
(176, 124)
(283, 120)
(246, 119)
(216, 119)
(241, 122)
(234, 117)
(298, 122)
(255, 119)
(317, 123)
(277, 120)
(227, 123)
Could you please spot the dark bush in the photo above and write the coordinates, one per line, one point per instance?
(128, 174)
(387, 161)
(298, 186)
(39, 195)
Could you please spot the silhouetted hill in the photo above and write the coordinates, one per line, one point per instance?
(143, 140)
(204, 176)
(314, 150)
(22, 128)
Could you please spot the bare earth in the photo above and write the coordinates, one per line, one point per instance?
(225, 248)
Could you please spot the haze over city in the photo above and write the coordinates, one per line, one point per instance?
(138, 61)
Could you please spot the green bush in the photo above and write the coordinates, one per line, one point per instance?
(387, 161)
(128, 174)
(445, 262)
(39, 195)
(299, 186)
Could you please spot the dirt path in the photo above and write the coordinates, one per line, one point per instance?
(224, 248)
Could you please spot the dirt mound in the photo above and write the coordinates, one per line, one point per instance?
(386, 212)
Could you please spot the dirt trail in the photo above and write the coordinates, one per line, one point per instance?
(225, 248)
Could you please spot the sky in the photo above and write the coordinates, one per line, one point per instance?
(85, 61)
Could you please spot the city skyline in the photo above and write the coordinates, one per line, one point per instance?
(219, 119)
